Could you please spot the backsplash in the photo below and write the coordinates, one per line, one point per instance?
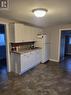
(21, 46)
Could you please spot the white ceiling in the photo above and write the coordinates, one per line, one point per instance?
(59, 11)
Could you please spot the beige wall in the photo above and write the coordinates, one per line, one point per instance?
(53, 38)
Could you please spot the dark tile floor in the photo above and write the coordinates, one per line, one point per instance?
(45, 79)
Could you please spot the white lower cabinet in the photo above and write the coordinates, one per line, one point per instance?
(25, 61)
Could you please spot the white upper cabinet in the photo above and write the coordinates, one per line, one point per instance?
(23, 33)
(16, 32)
(19, 29)
(27, 33)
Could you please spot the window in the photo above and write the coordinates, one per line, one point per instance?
(2, 39)
(69, 40)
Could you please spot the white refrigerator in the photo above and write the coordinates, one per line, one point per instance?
(44, 45)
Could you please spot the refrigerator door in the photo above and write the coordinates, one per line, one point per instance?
(42, 39)
(42, 43)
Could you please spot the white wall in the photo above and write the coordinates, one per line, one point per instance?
(53, 38)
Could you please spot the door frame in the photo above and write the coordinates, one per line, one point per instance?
(6, 24)
(60, 30)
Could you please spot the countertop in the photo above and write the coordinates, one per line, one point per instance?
(25, 51)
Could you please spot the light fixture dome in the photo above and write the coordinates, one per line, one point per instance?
(39, 12)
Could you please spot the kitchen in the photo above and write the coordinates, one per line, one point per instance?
(28, 47)
(33, 37)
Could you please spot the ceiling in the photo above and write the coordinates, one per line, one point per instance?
(59, 11)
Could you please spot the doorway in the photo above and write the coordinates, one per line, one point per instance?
(3, 58)
(65, 44)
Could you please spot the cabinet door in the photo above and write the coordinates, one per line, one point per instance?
(26, 34)
(15, 63)
(29, 34)
(37, 56)
(18, 28)
(25, 62)
(32, 58)
(33, 34)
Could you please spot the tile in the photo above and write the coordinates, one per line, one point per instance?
(45, 79)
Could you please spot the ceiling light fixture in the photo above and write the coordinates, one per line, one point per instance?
(39, 12)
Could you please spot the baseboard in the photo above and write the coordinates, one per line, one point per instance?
(54, 60)
(45, 62)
